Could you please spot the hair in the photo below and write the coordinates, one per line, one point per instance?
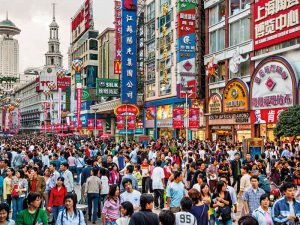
(53, 164)
(177, 174)
(22, 174)
(31, 197)
(247, 220)
(112, 191)
(254, 178)
(146, 199)
(202, 187)
(130, 168)
(166, 217)
(246, 168)
(186, 204)
(125, 181)
(263, 197)
(194, 195)
(65, 164)
(95, 171)
(104, 172)
(220, 185)
(128, 207)
(61, 179)
(12, 170)
(5, 206)
(287, 185)
(73, 197)
(158, 163)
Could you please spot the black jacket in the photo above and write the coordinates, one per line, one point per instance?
(235, 165)
(144, 218)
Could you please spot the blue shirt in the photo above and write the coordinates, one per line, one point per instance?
(175, 191)
(133, 156)
(253, 198)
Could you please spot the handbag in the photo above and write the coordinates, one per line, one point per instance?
(14, 193)
(225, 212)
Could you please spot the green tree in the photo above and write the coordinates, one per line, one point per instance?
(288, 123)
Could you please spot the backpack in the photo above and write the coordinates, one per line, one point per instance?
(264, 183)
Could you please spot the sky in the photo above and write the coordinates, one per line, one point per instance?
(33, 17)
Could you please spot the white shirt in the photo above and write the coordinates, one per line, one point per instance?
(157, 175)
(197, 187)
(202, 154)
(245, 182)
(133, 197)
(185, 218)
(104, 185)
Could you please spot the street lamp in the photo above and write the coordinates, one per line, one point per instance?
(186, 90)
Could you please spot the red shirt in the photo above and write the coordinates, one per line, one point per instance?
(33, 185)
(57, 196)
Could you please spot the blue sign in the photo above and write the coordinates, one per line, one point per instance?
(129, 52)
(85, 105)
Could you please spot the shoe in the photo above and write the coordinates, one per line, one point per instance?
(94, 222)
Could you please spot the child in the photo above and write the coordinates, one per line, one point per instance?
(126, 213)
(137, 174)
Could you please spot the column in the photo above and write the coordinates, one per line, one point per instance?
(112, 126)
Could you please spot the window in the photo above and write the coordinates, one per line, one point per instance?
(93, 44)
(237, 6)
(242, 28)
(151, 11)
(217, 13)
(216, 40)
(243, 70)
(151, 31)
(165, 20)
(93, 57)
(150, 90)
(151, 71)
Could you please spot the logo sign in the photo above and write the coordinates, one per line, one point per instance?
(273, 84)
(99, 124)
(129, 48)
(118, 18)
(44, 79)
(130, 109)
(235, 96)
(107, 87)
(63, 82)
(194, 120)
(178, 114)
(215, 104)
(85, 94)
(117, 67)
(265, 116)
(275, 22)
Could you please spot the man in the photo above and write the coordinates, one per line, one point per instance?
(166, 217)
(145, 216)
(133, 155)
(184, 217)
(286, 152)
(54, 174)
(175, 192)
(190, 175)
(286, 210)
(247, 162)
(224, 170)
(67, 174)
(130, 194)
(236, 171)
(158, 183)
(129, 175)
(45, 158)
(3, 167)
(252, 195)
(245, 180)
(36, 182)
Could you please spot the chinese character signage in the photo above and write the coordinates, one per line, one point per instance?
(130, 122)
(235, 96)
(178, 114)
(265, 116)
(215, 104)
(120, 122)
(90, 124)
(194, 120)
(129, 52)
(275, 21)
(273, 84)
(124, 109)
(107, 87)
(186, 53)
(117, 67)
(118, 22)
(99, 124)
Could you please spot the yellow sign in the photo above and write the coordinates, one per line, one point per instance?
(235, 97)
(215, 104)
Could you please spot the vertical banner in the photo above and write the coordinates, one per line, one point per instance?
(90, 124)
(178, 121)
(99, 124)
(130, 122)
(129, 48)
(59, 105)
(72, 125)
(68, 99)
(194, 118)
(118, 18)
(78, 104)
(120, 122)
(49, 127)
(45, 115)
(65, 127)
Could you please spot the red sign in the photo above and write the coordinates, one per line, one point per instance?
(121, 109)
(194, 118)
(117, 67)
(79, 125)
(99, 124)
(57, 127)
(130, 122)
(120, 122)
(78, 104)
(63, 82)
(118, 19)
(90, 124)
(48, 127)
(186, 22)
(190, 93)
(265, 116)
(178, 114)
(275, 22)
(72, 125)
(65, 127)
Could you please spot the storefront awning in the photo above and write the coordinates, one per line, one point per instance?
(106, 106)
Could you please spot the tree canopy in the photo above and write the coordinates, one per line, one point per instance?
(288, 123)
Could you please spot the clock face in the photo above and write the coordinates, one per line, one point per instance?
(49, 70)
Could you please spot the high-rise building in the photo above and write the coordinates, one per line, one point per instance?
(9, 49)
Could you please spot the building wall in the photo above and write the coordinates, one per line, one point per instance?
(9, 57)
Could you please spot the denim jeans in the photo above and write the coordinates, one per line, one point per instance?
(78, 171)
(55, 211)
(93, 201)
(220, 222)
(17, 206)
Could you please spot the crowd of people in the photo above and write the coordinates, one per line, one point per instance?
(44, 179)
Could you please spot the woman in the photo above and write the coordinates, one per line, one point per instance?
(70, 215)
(110, 211)
(199, 209)
(7, 186)
(263, 213)
(206, 198)
(79, 166)
(33, 214)
(19, 191)
(47, 189)
(126, 213)
(4, 215)
(72, 163)
(56, 200)
(221, 201)
(114, 175)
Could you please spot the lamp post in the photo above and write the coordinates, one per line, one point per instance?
(186, 90)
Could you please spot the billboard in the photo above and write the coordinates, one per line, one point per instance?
(275, 22)
(107, 87)
(265, 116)
(129, 48)
(178, 114)
(45, 78)
(118, 18)
(82, 20)
(194, 119)
(186, 53)
(63, 82)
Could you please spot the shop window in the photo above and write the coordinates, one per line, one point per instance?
(242, 28)
(216, 40)
(237, 6)
(217, 13)
(243, 70)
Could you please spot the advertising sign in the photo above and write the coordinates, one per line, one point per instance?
(90, 124)
(164, 112)
(118, 22)
(120, 122)
(215, 104)
(186, 54)
(273, 84)
(235, 96)
(63, 82)
(194, 120)
(78, 104)
(129, 48)
(130, 122)
(107, 87)
(44, 79)
(85, 94)
(130, 109)
(275, 22)
(99, 124)
(72, 125)
(65, 127)
(150, 113)
(117, 67)
(49, 127)
(265, 116)
(178, 120)
(82, 20)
